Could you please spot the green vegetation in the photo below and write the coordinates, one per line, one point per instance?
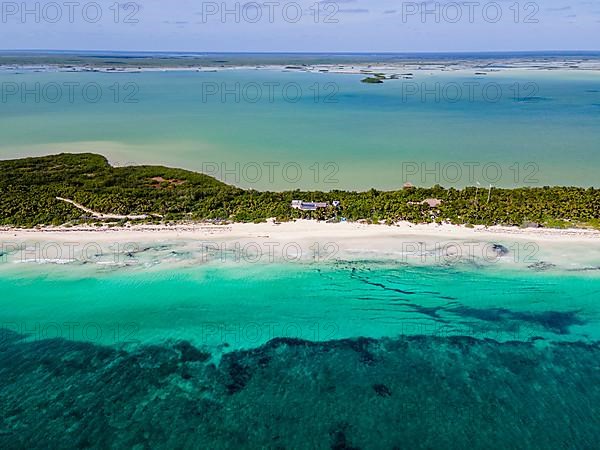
(29, 187)
(377, 79)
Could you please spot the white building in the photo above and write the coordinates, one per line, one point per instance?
(308, 206)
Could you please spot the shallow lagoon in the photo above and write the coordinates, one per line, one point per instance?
(319, 130)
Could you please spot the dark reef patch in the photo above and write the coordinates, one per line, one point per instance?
(500, 249)
(239, 376)
(408, 392)
(339, 439)
(554, 321)
(541, 266)
(585, 269)
(189, 353)
(382, 390)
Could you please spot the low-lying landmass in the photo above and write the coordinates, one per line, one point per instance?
(376, 78)
(343, 63)
(83, 189)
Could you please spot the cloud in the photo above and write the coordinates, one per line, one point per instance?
(354, 11)
(561, 8)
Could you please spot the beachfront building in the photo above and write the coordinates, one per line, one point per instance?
(431, 202)
(308, 206)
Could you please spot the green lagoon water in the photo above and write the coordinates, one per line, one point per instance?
(529, 127)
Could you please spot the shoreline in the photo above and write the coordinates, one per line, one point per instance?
(389, 69)
(306, 226)
(353, 240)
(310, 241)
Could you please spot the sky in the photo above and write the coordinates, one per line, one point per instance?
(301, 25)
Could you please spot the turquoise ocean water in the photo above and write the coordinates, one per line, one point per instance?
(242, 305)
(343, 354)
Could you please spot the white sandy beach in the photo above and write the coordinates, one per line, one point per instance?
(303, 229)
(574, 249)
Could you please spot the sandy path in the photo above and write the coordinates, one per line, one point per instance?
(98, 215)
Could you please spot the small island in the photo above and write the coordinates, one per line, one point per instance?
(372, 80)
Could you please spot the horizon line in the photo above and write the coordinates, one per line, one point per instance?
(546, 51)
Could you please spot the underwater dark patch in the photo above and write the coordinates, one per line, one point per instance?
(541, 266)
(339, 439)
(500, 249)
(380, 285)
(415, 392)
(555, 321)
(239, 376)
(189, 353)
(584, 269)
(533, 99)
(428, 311)
(382, 390)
